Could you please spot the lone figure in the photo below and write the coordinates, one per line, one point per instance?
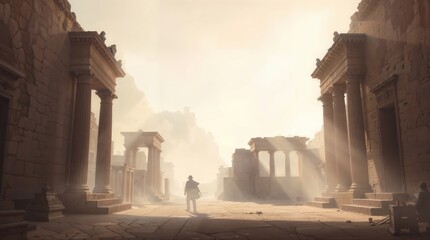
(423, 203)
(192, 192)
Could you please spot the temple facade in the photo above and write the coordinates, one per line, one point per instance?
(375, 84)
(49, 68)
(273, 168)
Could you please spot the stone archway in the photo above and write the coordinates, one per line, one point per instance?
(151, 140)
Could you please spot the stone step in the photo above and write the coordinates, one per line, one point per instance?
(373, 211)
(379, 203)
(95, 196)
(320, 204)
(114, 208)
(402, 197)
(325, 199)
(104, 202)
(11, 216)
(16, 230)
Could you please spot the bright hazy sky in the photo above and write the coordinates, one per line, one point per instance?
(241, 66)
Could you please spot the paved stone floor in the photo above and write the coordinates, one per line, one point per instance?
(217, 220)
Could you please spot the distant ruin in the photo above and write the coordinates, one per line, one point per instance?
(250, 180)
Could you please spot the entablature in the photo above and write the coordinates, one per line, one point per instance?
(89, 53)
(345, 56)
(142, 139)
(278, 143)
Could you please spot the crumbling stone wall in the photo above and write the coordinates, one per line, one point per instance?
(398, 43)
(39, 121)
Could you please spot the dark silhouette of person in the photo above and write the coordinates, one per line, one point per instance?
(423, 203)
(192, 192)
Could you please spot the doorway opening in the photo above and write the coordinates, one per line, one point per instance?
(390, 146)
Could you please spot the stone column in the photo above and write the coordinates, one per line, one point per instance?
(124, 184)
(158, 170)
(272, 163)
(357, 145)
(330, 162)
(127, 155)
(287, 164)
(104, 142)
(134, 157)
(131, 185)
(256, 160)
(78, 166)
(341, 139)
(150, 171)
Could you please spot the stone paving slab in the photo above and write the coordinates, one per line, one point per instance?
(217, 220)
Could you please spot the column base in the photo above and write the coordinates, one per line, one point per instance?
(359, 190)
(340, 188)
(105, 189)
(327, 191)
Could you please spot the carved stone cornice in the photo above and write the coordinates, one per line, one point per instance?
(278, 143)
(344, 56)
(143, 139)
(326, 99)
(337, 52)
(89, 53)
(386, 91)
(96, 41)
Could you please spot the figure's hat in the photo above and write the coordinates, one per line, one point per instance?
(190, 177)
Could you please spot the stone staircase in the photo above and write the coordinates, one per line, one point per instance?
(323, 202)
(376, 204)
(12, 223)
(93, 203)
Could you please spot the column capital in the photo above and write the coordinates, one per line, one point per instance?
(338, 90)
(326, 98)
(83, 76)
(106, 95)
(352, 77)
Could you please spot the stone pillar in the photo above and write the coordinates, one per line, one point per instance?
(287, 164)
(134, 157)
(127, 155)
(357, 145)
(150, 171)
(131, 181)
(104, 143)
(341, 139)
(330, 162)
(256, 163)
(272, 163)
(166, 189)
(124, 184)
(78, 166)
(158, 170)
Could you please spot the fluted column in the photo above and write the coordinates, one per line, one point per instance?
(150, 170)
(104, 143)
(272, 163)
(341, 139)
(78, 167)
(158, 170)
(287, 164)
(330, 162)
(357, 145)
